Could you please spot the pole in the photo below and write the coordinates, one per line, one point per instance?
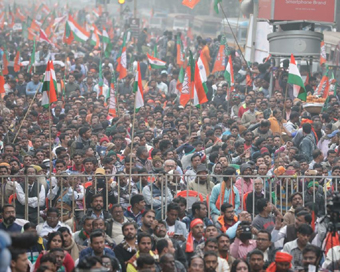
(254, 29)
(134, 8)
(28, 110)
(132, 136)
(50, 144)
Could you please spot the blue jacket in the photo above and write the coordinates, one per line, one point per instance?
(89, 252)
(12, 228)
(215, 193)
(129, 214)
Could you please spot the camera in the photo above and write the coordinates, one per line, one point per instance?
(246, 233)
(334, 208)
(101, 182)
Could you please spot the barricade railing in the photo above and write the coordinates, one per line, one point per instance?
(76, 191)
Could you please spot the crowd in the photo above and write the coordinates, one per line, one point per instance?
(246, 182)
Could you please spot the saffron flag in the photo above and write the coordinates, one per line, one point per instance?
(49, 93)
(219, 64)
(200, 84)
(229, 76)
(138, 89)
(111, 98)
(190, 3)
(122, 61)
(17, 61)
(2, 83)
(156, 63)
(323, 88)
(43, 37)
(323, 55)
(180, 54)
(188, 81)
(294, 78)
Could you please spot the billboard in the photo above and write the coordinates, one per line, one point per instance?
(297, 10)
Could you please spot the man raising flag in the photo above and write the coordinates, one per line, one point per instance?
(294, 78)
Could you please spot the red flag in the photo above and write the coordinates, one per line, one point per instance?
(17, 62)
(20, 15)
(2, 83)
(5, 64)
(190, 3)
(219, 64)
(43, 37)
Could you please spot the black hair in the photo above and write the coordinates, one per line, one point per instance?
(307, 216)
(261, 204)
(228, 172)
(266, 232)
(255, 252)
(143, 235)
(96, 234)
(226, 206)
(129, 224)
(180, 199)
(235, 264)
(161, 244)
(51, 235)
(305, 229)
(48, 258)
(64, 229)
(145, 259)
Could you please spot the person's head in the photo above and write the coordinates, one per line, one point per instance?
(196, 264)
(306, 128)
(66, 233)
(283, 261)
(199, 210)
(264, 205)
(8, 214)
(97, 203)
(172, 213)
(55, 240)
(167, 262)
(210, 261)
(19, 260)
(228, 211)
(138, 202)
(87, 224)
(59, 255)
(210, 232)
(210, 244)
(303, 234)
(165, 246)
(197, 228)
(240, 266)
(117, 213)
(48, 260)
(256, 260)
(296, 200)
(129, 230)
(302, 217)
(148, 217)
(311, 255)
(97, 242)
(146, 262)
(90, 263)
(229, 175)
(223, 243)
(53, 217)
(258, 183)
(144, 243)
(263, 240)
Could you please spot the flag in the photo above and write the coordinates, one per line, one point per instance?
(2, 19)
(5, 62)
(323, 88)
(229, 76)
(219, 64)
(33, 24)
(11, 18)
(17, 61)
(216, 2)
(49, 87)
(200, 84)
(73, 31)
(95, 40)
(111, 97)
(107, 45)
(295, 79)
(188, 81)
(100, 78)
(180, 55)
(156, 63)
(122, 61)
(32, 61)
(155, 52)
(2, 83)
(43, 37)
(323, 55)
(190, 3)
(138, 89)
(20, 15)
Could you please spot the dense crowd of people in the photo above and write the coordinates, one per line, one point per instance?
(246, 182)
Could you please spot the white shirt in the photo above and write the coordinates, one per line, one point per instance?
(333, 255)
(32, 201)
(43, 229)
(106, 89)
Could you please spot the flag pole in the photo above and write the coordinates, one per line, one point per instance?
(132, 141)
(50, 142)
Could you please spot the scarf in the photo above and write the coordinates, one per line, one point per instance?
(190, 240)
(83, 235)
(280, 257)
(73, 250)
(220, 199)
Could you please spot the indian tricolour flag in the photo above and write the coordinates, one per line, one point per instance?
(138, 89)
(156, 63)
(294, 78)
(200, 84)
(73, 31)
(229, 76)
(49, 94)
